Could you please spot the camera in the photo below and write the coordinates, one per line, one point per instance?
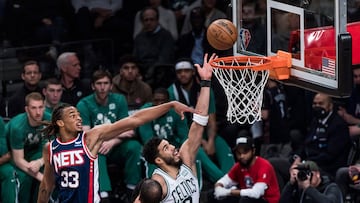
(304, 172)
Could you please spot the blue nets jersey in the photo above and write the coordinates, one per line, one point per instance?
(76, 171)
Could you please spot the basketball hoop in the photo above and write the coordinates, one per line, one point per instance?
(243, 79)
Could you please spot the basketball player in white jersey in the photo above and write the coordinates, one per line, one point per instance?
(177, 171)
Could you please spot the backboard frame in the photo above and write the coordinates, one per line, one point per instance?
(337, 85)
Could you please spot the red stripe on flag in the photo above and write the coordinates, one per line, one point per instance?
(328, 66)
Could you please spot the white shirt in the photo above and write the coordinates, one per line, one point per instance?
(185, 188)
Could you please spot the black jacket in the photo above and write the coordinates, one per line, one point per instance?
(328, 144)
(327, 192)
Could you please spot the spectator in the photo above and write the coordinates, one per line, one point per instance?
(128, 83)
(348, 180)
(99, 19)
(31, 76)
(254, 176)
(26, 142)
(153, 45)
(186, 90)
(73, 88)
(327, 142)
(308, 184)
(167, 19)
(177, 170)
(35, 22)
(8, 177)
(46, 22)
(105, 107)
(182, 7)
(147, 191)
(211, 13)
(52, 92)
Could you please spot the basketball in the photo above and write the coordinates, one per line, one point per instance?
(222, 34)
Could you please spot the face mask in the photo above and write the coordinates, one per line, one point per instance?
(319, 112)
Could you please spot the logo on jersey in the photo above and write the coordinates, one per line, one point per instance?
(78, 143)
(68, 158)
(184, 190)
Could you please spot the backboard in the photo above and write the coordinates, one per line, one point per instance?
(318, 33)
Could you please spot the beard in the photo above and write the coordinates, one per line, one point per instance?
(171, 161)
(246, 163)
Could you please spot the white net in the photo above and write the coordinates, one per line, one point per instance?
(244, 90)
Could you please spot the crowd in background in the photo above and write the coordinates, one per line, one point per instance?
(110, 58)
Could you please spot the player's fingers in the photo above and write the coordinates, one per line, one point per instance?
(205, 58)
(197, 66)
(212, 57)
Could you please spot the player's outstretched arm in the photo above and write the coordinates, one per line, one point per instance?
(190, 147)
(48, 182)
(101, 133)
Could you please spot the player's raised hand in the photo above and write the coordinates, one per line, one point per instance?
(181, 108)
(205, 72)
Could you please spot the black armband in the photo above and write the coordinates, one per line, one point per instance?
(205, 83)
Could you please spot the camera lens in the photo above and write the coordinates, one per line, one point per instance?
(302, 175)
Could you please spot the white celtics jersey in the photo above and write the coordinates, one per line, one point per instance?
(185, 188)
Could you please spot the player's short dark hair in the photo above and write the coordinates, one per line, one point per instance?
(150, 150)
(148, 190)
(151, 191)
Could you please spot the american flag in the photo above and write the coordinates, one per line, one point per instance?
(328, 66)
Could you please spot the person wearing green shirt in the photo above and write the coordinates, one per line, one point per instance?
(8, 175)
(186, 90)
(26, 142)
(52, 92)
(105, 107)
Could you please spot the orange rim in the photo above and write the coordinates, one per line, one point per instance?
(278, 65)
(235, 62)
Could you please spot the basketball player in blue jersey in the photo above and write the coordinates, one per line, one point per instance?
(177, 170)
(71, 158)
